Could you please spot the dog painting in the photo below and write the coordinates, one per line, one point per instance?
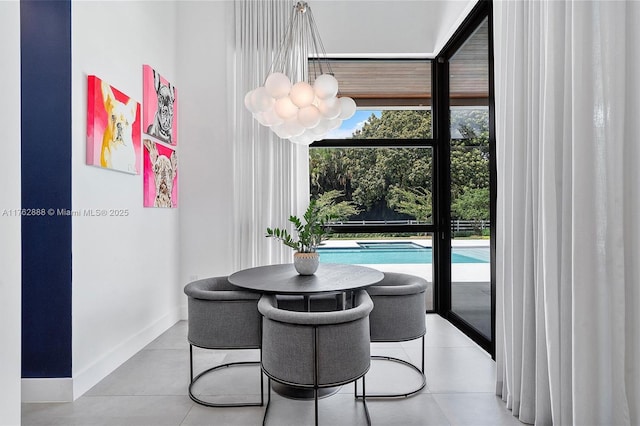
(160, 106)
(160, 175)
(113, 128)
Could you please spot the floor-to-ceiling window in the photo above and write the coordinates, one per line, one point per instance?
(376, 170)
(412, 174)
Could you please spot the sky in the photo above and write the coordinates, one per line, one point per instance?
(351, 125)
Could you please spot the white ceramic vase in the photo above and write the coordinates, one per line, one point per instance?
(306, 263)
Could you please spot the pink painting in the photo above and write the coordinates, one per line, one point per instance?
(113, 128)
(160, 100)
(160, 175)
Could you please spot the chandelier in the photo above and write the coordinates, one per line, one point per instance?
(291, 107)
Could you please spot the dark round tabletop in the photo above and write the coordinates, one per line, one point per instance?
(283, 279)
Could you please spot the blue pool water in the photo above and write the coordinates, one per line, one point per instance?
(400, 252)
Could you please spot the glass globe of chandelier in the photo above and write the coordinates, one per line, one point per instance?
(291, 107)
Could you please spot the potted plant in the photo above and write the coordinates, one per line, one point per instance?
(311, 231)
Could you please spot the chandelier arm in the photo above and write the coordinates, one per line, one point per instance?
(304, 59)
(278, 64)
(299, 33)
(317, 70)
(293, 42)
(318, 45)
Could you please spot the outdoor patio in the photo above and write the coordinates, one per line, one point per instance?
(471, 282)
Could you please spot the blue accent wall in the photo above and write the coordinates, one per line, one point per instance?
(45, 45)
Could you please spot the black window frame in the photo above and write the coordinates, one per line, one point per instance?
(395, 143)
(392, 143)
(442, 254)
(440, 228)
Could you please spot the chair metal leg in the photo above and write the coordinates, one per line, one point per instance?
(212, 369)
(191, 363)
(315, 397)
(261, 386)
(408, 364)
(266, 410)
(364, 401)
(422, 366)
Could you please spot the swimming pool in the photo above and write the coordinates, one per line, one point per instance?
(374, 253)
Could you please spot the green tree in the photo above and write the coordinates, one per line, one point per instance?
(415, 202)
(387, 183)
(473, 204)
(469, 151)
(328, 205)
(397, 124)
(399, 168)
(366, 175)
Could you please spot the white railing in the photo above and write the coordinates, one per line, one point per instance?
(380, 222)
(457, 225)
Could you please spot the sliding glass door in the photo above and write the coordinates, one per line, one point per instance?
(469, 153)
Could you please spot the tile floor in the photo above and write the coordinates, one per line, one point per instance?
(150, 389)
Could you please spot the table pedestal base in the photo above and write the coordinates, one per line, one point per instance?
(293, 392)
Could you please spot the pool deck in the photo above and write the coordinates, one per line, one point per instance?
(476, 275)
(460, 272)
(425, 242)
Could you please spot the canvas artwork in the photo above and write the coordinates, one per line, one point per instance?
(113, 128)
(160, 175)
(160, 100)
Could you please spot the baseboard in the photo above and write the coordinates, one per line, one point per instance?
(47, 390)
(90, 376)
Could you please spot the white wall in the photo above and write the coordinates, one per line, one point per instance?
(205, 41)
(10, 260)
(125, 269)
(378, 28)
(451, 17)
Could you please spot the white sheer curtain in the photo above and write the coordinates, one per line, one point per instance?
(568, 239)
(271, 178)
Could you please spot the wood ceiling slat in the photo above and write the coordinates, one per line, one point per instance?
(389, 81)
(382, 79)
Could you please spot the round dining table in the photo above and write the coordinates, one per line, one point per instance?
(282, 279)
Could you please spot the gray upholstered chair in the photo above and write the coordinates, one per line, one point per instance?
(222, 316)
(398, 315)
(315, 350)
